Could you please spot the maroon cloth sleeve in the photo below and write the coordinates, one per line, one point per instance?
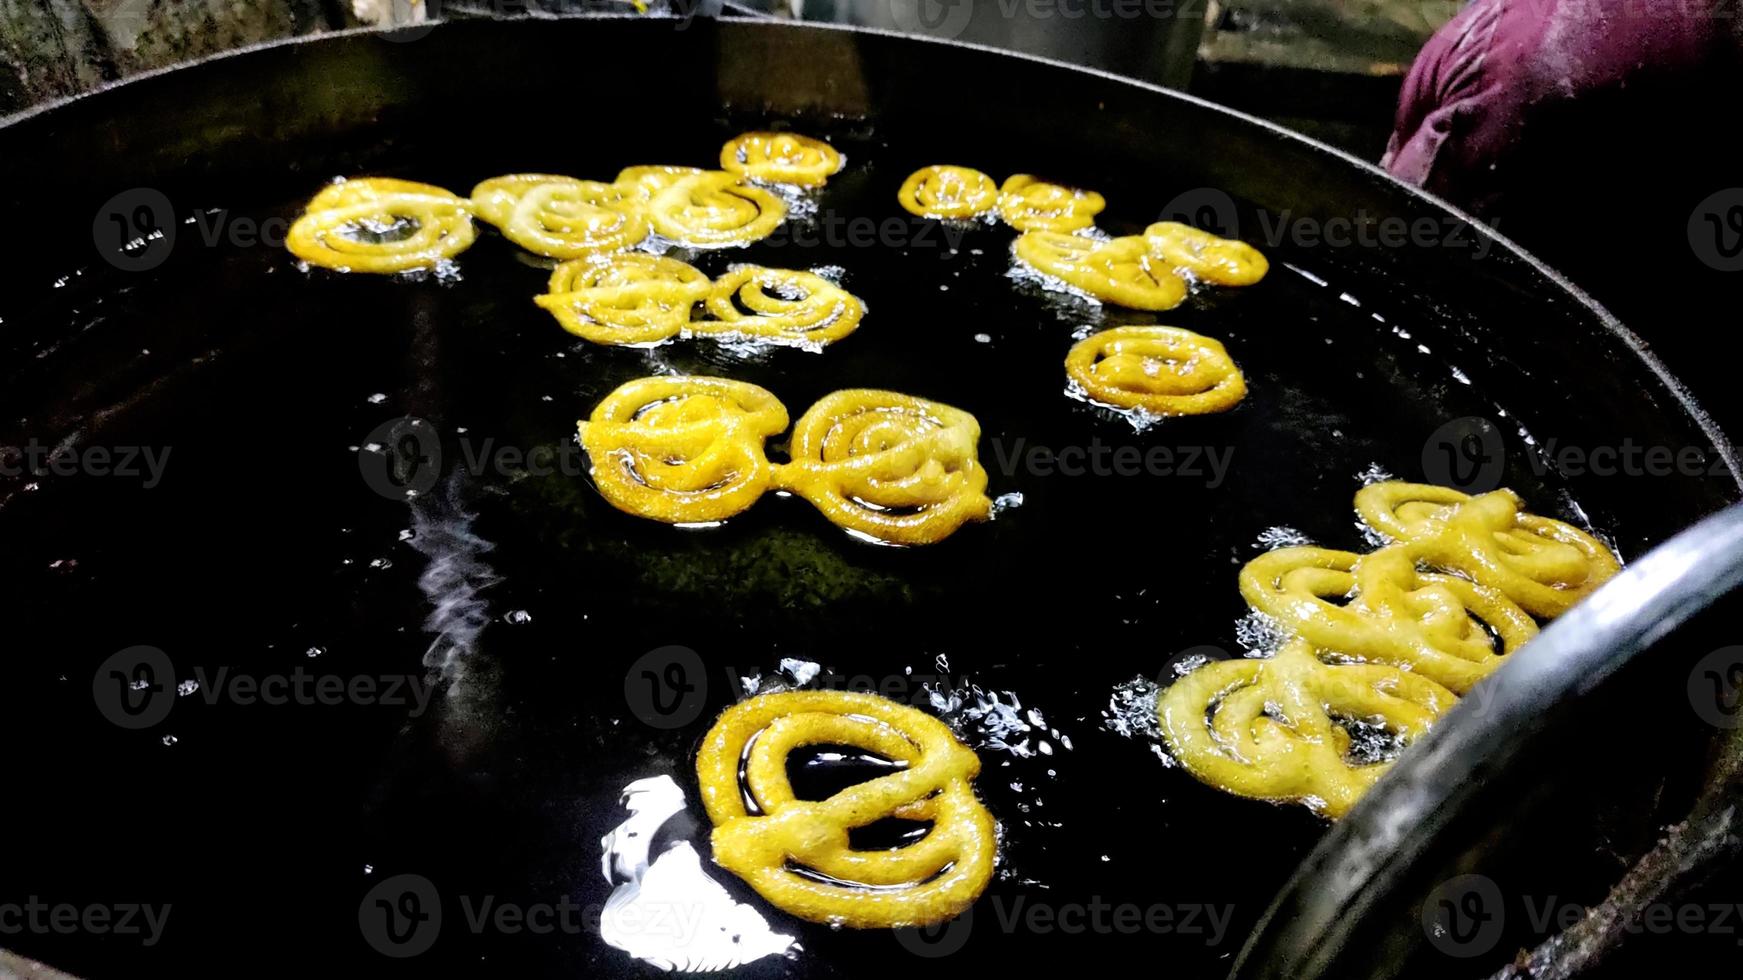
(1506, 74)
(1593, 133)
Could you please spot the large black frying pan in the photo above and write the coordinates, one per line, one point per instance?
(267, 546)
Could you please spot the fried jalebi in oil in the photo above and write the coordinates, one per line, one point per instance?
(797, 853)
(381, 225)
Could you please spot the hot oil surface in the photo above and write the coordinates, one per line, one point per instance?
(538, 604)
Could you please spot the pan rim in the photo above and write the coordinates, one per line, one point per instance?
(1638, 346)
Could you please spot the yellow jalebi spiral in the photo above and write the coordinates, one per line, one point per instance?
(381, 225)
(1120, 271)
(951, 193)
(1264, 729)
(642, 182)
(493, 200)
(1378, 608)
(1543, 565)
(683, 450)
(780, 305)
(1056, 253)
(561, 217)
(1223, 261)
(896, 468)
(781, 158)
(714, 210)
(797, 854)
(1028, 203)
(1159, 370)
(630, 298)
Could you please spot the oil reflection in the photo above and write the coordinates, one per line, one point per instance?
(666, 910)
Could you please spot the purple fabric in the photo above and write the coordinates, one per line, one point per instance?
(1591, 132)
(1505, 75)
